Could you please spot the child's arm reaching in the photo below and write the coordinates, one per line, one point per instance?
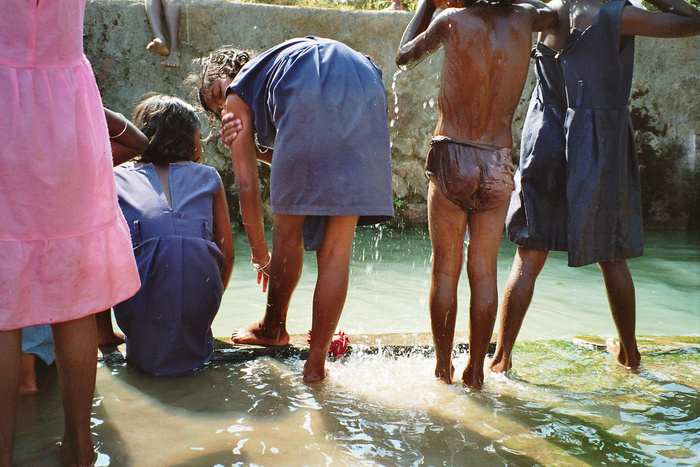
(223, 236)
(682, 21)
(245, 168)
(126, 140)
(420, 37)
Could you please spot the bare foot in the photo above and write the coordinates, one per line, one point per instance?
(173, 61)
(473, 377)
(255, 333)
(157, 46)
(314, 377)
(78, 454)
(108, 343)
(445, 374)
(500, 366)
(629, 363)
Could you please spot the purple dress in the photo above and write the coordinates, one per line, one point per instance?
(167, 324)
(323, 108)
(577, 186)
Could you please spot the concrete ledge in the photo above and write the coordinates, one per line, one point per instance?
(407, 344)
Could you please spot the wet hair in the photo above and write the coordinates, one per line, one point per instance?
(169, 124)
(222, 63)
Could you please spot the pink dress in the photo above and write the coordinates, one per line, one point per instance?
(65, 250)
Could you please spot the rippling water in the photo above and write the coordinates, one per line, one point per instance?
(563, 405)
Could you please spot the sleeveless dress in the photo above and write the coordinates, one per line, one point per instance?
(64, 246)
(577, 187)
(323, 108)
(167, 324)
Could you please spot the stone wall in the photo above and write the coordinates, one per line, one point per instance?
(665, 101)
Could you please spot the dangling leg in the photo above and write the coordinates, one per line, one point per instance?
(75, 343)
(447, 223)
(285, 271)
(331, 289)
(172, 18)
(154, 12)
(520, 288)
(621, 297)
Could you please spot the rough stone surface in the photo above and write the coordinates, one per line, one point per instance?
(665, 100)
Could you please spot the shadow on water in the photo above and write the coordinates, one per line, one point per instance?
(564, 405)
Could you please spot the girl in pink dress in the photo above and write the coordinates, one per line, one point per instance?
(65, 251)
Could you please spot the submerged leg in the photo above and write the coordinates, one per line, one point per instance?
(285, 271)
(447, 224)
(621, 297)
(520, 287)
(485, 233)
(331, 289)
(76, 362)
(10, 367)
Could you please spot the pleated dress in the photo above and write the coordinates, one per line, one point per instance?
(322, 106)
(577, 186)
(64, 246)
(167, 324)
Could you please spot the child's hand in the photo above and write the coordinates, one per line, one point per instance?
(230, 126)
(263, 272)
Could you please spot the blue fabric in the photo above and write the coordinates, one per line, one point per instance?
(323, 108)
(167, 324)
(577, 186)
(38, 340)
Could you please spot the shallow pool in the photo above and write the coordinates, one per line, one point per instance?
(565, 404)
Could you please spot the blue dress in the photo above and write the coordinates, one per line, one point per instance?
(167, 324)
(577, 186)
(323, 108)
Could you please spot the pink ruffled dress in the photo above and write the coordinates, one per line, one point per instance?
(65, 250)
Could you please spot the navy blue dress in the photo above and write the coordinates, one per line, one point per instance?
(577, 186)
(167, 324)
(323, 108)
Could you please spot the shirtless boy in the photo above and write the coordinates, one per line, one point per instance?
(487, 56)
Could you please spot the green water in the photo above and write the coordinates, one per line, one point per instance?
(390, 280)
(565, 405)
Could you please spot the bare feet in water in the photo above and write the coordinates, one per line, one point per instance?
(256, 333)
(473, 376)
(445, 374)
(314, 376)
(157, 46)
(630, 363)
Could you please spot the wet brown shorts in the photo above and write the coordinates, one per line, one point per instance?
(474, 176)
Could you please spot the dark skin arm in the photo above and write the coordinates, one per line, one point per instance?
(423, 34)
(230, 126)
(126, 140)
(682, 22)
(413, 50)
(245, 167)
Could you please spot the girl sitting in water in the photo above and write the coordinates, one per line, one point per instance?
(181, 233)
